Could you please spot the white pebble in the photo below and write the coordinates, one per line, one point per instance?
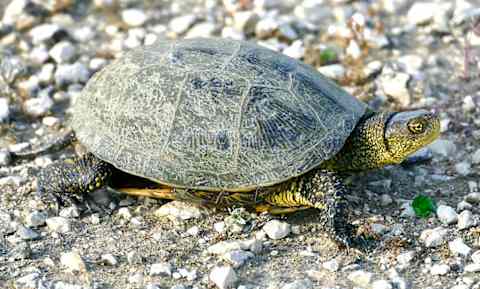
(276, 229)
(463, 168)
(39, 55)
(382, 284)
(109, 259)
(5, 157)
(443, 147)
(134, 17)
(439, 269)
(476, 257)
(181, 24)
(39, 106)
(299, 284)
(331, 265)
(161, 269)
(360, 278)
(465, 220)
(43, 32)
(224, 277)
(433, 237)
(295, 50)
(71, 73)
(203, 29)
(177, 210)
(353, 50)
(36, 219)
(237, 257)
(421, 12)
(447, 215)
(72, 261)
(58, 224)
(333, 71)
(219, 227)
(4, 109)
(62, 52)
(124, 213)
(458, 247)
(475, 267)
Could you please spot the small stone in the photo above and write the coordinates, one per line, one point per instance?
(276, 229)
(421, 12)
(333, 71)
(59, 224)
(181, 24)
(13, 11)
(266, 27)
(43, 33)
(134, 258)
(36, 219)
(385, 200)
(26, 234)
(73, 262)
(5, 157)
(83, 34)
(203, 29)
(161, 269)
(39, 55)
(476, 157)
(193, 231)
(223, 247)
(353, 50)
(405, 258)
(97, 63)
(177, 210)
(465, 220)
(62, 52)
(463, 205)
(28, 281)
(411, 63)
(71, 73)
(245, 21)
(237, 257)
(219, 227)
(124, 213)
(224, 277)
(134, 17)
(295, 50)
(473, 198)
(382, 284)
(379, 229)
(407, 210)
(4, 109)
(152, 286)
(458, 247)
(396, 86)
(69, 212)
(30, 86)
(463, 168)
(475, 267)
(468, 104)
(39, 106)
(189, 275)
(135, 278)
(285, 30)
(443, 147)
(433, 237)
(45, 75)
(331, 265)
(299, 284)
(447, 214)
(21, 251)
(314, 12)
(439, 269)
(476, 257)
(360, 278)
(109, 259)
(372, 68)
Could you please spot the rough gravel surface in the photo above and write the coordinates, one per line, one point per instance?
(394, 55)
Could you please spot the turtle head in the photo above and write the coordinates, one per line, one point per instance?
(407, 132)
(381, 139)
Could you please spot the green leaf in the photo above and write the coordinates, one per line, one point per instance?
(423, 206)
(328, 55)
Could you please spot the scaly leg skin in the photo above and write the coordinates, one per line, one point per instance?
(322, 190)
(70, 181)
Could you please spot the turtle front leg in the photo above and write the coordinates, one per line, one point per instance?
(322, 190)
(68, 182)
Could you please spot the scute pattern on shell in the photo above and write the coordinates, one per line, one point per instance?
(213, 114)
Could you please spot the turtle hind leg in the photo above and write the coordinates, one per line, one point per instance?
(322, 190)
(69, 182)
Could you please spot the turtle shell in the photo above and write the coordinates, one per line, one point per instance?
(213, 114)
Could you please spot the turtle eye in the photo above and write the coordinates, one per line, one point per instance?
(416, 126)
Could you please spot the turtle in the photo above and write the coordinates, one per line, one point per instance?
(231, 122)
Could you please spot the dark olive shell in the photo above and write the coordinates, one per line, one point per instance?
(213, 114)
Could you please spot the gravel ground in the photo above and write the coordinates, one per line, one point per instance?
(51, 48)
